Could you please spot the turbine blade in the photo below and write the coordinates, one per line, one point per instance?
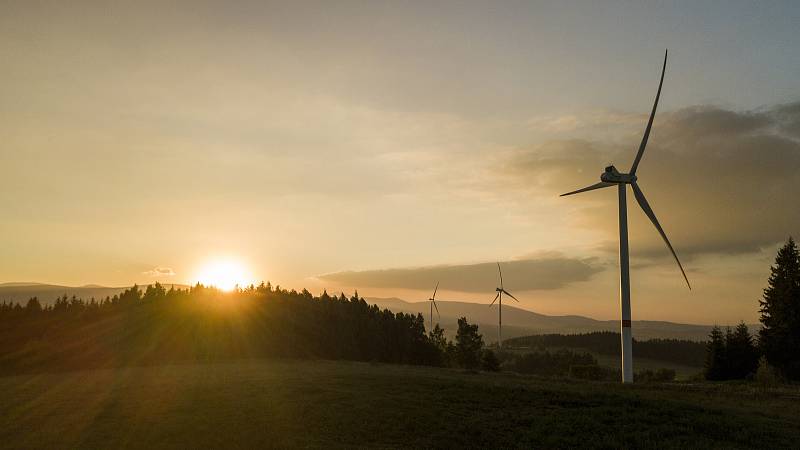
(649, 122)
(434, 290)
(509, 294)
(501, 275)
(495, 299)
(437, 309)
(599, 185)
(637, 192)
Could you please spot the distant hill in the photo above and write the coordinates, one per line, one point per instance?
(517, 322)
(520, 322)
(20, 292)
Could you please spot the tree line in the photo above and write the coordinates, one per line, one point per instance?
(736, 354)
(678, 351)
(157, 325)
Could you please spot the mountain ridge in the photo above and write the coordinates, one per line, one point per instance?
(522, 322)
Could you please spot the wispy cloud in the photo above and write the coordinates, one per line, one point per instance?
(158, 272)
(550, 271)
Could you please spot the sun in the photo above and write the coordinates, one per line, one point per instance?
(223, 274)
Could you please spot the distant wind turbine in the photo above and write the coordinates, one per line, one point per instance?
(499, 298)
(611, 177)
(433, 305)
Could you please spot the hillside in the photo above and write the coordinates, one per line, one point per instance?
(519, 322)
(20, 292)
(327, 404)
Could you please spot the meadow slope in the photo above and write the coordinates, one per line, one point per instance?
(285, 403)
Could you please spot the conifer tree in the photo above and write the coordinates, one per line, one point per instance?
(716, 361)
(741, 353)
(779, 337)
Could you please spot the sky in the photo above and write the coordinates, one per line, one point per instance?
(385, 146)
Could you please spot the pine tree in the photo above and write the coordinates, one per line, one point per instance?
(741, 353)
(779, 337)
(33, 306)
(716, 360)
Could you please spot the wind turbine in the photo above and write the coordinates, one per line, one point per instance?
(612, 177)
(433, 304)
(499, 298)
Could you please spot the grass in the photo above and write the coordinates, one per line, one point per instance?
(345, 404)
(682, 372)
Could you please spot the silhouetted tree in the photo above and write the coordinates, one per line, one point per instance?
(741, 353)
(469, 344)
(33, 306)
(779, 338)
(438, 338)
(716, 360)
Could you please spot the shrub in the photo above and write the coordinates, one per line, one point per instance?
(591, 372)
(490, 363)
(659, 375)
(767, 374)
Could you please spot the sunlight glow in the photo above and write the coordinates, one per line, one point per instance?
(223, 274)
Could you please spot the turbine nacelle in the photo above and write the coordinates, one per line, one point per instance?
(612, 175)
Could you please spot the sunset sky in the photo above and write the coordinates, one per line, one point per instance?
(387, 146)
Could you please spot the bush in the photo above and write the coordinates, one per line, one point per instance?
(766, 374)
(659, 375)
(490, 363)
(591, 372)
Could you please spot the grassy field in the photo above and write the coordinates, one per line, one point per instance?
(345, 404)
(682, 372)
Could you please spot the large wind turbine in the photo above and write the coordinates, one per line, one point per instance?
(433, 304)
(499, 297)
(611, 177)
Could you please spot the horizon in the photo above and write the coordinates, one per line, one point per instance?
(224, 143)
(368, 298)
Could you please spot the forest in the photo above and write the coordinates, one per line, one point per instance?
(201, 324)
(155, 325)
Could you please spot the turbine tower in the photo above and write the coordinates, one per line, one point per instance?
(499, 298)
(433, 305)
(612, 177)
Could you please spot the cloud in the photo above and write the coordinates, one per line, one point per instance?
(720, 181)
(549, 271)
(159, 272)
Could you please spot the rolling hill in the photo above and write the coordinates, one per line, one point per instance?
(20, 292)
(520, 322)
(516, 321)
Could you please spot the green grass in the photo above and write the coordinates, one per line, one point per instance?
(343, 404)
(682, 372)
